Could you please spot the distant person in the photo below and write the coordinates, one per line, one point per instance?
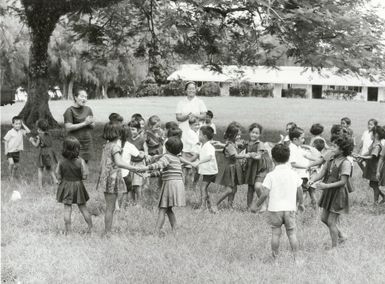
(154, 136)
(71, 172)
(380, 174)
(346, 123)
(209, 121)
(367, 137)
(79, 122)
(285, 139)
(191, 106)
(335, 195)
(47, 158)
(316, 131)
(14, 144)
(284, 188)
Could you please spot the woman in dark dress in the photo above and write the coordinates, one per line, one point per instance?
(79, 122)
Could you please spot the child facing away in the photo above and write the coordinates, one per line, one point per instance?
(71, 172)
(380, 174)
(371, 166)
(258, 165)
(154, 137)
(335, 196)
(300, 161)
(207, 165)
(13, 144)
(172, 190)
(367, 137)
(229, 175)
(284, 188)
(137, 181)
(47, 157)
(111, 179)
(190, 151)
(316, 131)
(209, 121)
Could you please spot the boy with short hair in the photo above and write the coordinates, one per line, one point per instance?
(207, 164)
(283, 186)
(13, 143)
(299, 160)
(209, 121)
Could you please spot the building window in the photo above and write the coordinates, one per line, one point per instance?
(221, 84)
(332, 87)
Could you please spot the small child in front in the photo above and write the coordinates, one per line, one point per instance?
(284, 188)
(13, 144)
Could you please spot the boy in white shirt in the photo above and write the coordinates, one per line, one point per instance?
(299, 160)
(209, 121)
(283, 187)
(190, 152)
(207, 164)
(13, 144)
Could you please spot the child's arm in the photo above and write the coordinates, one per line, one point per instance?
(381, 163)
(5, 147)
(58, 172)
(84, 169)
(27, 130)
(35, 142)
(341, 182)
(299, 165)
(317, 176)
(122, 164)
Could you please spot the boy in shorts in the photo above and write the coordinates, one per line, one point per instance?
(207, 164)
(13, 144)
(283, 186)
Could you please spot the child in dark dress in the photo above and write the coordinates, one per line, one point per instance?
(335, 198)
(258, 165)
(47, 158)
(71, 172)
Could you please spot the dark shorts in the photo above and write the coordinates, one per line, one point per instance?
(128, 181)
(15, 156)
(209, 178)
(279, 218)
(46, 162)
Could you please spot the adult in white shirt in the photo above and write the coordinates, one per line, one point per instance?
(190, 106)
(367, 137)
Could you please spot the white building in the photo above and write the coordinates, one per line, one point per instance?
(317, 84)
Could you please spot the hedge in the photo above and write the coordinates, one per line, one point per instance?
(209, 89)
(247, 89)
(339, 94)
(294, 93)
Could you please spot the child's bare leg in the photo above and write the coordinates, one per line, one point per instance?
(312, 198)
(227, 193)
(292, 236)
(139, 195)
(87, 216)
(250, 195)
(232, 196)
(376, 190)
(11, 167)
(40, 177)
(52, 174)
(275, 237)
(204, 194)
(160, 220)
(67, 218)
(325, 217)
(110, 208)
(171, 218)
(332, 223)
(188, 179)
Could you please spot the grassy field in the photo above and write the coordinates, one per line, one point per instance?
(232, 246)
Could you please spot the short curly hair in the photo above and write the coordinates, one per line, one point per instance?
(380, 131)
(174, 145)
(316, 129)
(71, 148)
(345, 143)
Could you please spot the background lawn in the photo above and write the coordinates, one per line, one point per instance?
(232, 246)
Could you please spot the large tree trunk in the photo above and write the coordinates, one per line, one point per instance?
(71, 88)
(42, 22)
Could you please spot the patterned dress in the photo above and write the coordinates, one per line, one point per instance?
(47, 157)
(230, 173)
(256, 170)
(111, 179)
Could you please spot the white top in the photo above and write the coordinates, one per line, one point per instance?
(297, 155)
(128, 151)
(367, 140)
(282, 184)
(196, 106)
(210, 167)
(212, 125)
(14, 140)
(190, 140)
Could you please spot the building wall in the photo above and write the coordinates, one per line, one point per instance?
(381, 94)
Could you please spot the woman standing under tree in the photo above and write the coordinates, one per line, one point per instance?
(79, 121)
(190, 106)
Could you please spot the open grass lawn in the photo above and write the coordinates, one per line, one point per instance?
(232, 246)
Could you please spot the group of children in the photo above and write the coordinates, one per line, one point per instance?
(280, 176)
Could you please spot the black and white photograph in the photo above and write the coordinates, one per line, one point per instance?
(192, 141)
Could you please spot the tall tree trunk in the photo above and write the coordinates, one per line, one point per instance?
(42, 22)
(71, 88)
(65, 89)
(104, 91)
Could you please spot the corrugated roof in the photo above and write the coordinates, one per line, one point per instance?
(262, 74)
